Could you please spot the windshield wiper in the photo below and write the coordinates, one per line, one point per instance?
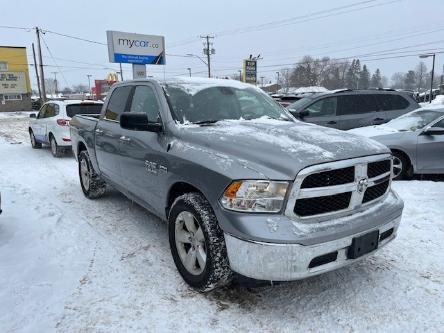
(205, 122)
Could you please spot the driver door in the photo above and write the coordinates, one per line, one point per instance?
(430, 151)
(323, 112)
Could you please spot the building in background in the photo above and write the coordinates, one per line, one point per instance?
(15, 87)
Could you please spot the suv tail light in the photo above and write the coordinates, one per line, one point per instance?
(63, 122)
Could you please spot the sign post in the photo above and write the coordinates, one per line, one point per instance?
(136, 49)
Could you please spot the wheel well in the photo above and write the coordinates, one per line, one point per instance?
(177, 190)
(81, 147)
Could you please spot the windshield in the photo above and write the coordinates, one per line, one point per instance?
(84, 108)
(296, 106)
(215, 103)
(414, 120)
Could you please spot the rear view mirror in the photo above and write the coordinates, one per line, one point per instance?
(138, 121)
(32, 115)
(434, 131)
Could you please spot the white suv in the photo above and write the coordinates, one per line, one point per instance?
(51, 125)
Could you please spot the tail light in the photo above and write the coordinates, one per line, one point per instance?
(63, 122)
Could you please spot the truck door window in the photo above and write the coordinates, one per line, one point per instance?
(144, 100)
(117, 103)
(322, 108)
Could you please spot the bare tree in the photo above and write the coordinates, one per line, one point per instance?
(421, 72)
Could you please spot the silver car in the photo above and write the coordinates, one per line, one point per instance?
(416, 140)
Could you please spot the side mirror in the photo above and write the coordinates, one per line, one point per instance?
(300, 114)
(138, 121)
(32, 115)
(434, 131)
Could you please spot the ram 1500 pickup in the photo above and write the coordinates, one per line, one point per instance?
(244, 187)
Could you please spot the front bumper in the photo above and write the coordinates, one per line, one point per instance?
(286, 262)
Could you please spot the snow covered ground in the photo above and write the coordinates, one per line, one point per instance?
(69, 264)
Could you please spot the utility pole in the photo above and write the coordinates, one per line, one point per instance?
(208, 51)
(55, 83)
(89, 84)
(240, 74)
(277, 82)
(42, 72)
(189, 70)
(36, 72)
(121, 72)
(262, 81)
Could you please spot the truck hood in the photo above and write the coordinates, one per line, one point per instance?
(273, 149)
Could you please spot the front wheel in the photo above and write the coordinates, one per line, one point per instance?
(197, 243)
(401, 167)
(34, 143)
(92, 185)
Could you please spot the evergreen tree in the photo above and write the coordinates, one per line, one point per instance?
(364, 78)
(376, 81)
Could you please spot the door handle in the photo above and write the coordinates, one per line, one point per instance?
(331, 122)
(125, 139)
(99, 131)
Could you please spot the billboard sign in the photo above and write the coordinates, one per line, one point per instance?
(13, 83)
(133, 48)
(250, 71)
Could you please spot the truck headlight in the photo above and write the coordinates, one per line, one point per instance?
(256, 196)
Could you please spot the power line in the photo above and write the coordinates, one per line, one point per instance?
(55, 62)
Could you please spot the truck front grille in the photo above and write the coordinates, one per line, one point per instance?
(339, 187)
(322, 205)
(329, 178)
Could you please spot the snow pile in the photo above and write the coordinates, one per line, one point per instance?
(302, 90)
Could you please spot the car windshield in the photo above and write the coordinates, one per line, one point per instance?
(414, 120)
(208, 103)
(296, 106)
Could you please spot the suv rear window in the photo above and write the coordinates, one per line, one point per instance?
(84, 108)
(390, 102)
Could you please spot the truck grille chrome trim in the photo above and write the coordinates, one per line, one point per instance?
(317, 202)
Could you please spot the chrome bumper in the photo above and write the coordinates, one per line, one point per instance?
(285, 262)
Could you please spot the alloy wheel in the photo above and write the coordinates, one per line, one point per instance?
(397, 166)
(190, 243)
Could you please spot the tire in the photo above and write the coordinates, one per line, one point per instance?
(55, 149)
(401, 166)
(207, 238)
(34, 143)
(93, 186)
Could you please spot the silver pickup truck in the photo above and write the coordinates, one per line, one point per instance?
(245, 187)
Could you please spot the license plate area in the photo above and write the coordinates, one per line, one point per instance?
(363, 245)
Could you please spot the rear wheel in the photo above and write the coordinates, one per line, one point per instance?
(197, 243)
(34, 143)
(92, 185)
(55, 149)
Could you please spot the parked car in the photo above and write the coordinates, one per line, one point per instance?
(416, 140)
(51, 124)
(244, 186)
(345, 109)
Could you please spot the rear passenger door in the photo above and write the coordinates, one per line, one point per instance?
(357, 110)
(108, 133)
(323, 112)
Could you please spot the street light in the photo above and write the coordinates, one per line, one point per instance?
(189, 70)
(433, 71)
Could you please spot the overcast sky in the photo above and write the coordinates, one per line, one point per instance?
(393, 27)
